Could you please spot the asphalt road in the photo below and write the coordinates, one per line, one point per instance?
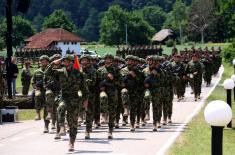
(26, 138)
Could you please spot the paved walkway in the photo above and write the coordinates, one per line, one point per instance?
(26, 138)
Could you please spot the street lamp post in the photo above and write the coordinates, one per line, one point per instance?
(218, 114)
(233, 78)
(9, 46)
(229, 85)
(234, 65)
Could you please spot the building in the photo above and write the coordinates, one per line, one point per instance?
(54, 38)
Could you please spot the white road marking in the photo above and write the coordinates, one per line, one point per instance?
(172, 139)
(15, 139)
(30, 134)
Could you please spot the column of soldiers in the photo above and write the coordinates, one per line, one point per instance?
(103, 90)
(140, 51)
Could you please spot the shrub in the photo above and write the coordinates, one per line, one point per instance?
(170, 43)
(229, 53)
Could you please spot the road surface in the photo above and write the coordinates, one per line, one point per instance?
(26, 138)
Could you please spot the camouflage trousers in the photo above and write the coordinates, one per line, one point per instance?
(72, 108)
(207, 77)
(180, 88)
(167, 105)
(133, 107)
(89, 112)
(157, 107)
(147, 100)
(140, 108)
(119, 109)
(40, 103)
(108, 105)
(197, 85)
(25, 88)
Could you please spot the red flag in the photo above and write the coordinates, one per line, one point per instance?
(76, 64)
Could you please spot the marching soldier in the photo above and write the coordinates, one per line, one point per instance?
(74, 91)
(194, 70)
(91, 80)
(39, 98)
(109, 79)
(26, 78)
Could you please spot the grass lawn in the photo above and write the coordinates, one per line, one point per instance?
(196, 140)
(101, 49)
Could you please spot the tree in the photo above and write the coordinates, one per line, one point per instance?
(22, 29)
(114, 23)
(227, 13)
(37, 22)
(59, 19)
(139, 30)
(112, 28)
(90, 30)
(155, 16)
(201, 16)
(179, 14)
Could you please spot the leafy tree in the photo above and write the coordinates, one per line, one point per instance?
(37, 22)
(227, 13)
(154, 15)
(177, 18)
(114, 23)
(139, 31)
(112, 28)
(179, 13)
(22, 29)
(59, 19)
(90, 30)
(201, 16)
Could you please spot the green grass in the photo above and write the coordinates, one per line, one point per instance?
(102, 49)
(26, 114)
(196, 140)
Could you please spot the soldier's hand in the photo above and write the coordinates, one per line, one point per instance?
(146, 85)
(154, 72)
(85, 104)
(110, 76)
(132, 73)
(102, 88)
(56, 62)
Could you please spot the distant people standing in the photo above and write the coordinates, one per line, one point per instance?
(14, 73)
(26, 78)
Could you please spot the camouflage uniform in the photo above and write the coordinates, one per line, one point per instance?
(40, 101)
(91, 79)
(168, 95)
(109, 86)
(153, 83)
(52, 86)
(194, 71)
(25, 80)
(129, 83)
(73, 91)
(179, 83)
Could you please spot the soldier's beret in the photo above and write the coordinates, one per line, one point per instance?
(44, 57)
(55, 57)
(129, 57)
(85, 56)
(136, 58)
(108, 56)
(117, 58)
(150, 57)
(142, 60)
(69, 57)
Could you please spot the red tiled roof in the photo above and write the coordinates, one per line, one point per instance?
(48, 36)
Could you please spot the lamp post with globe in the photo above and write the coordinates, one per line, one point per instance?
(233, 78)
(218, 114)
(234, 65)
(229, 85)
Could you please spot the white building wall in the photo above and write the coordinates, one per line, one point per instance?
(64, 46)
